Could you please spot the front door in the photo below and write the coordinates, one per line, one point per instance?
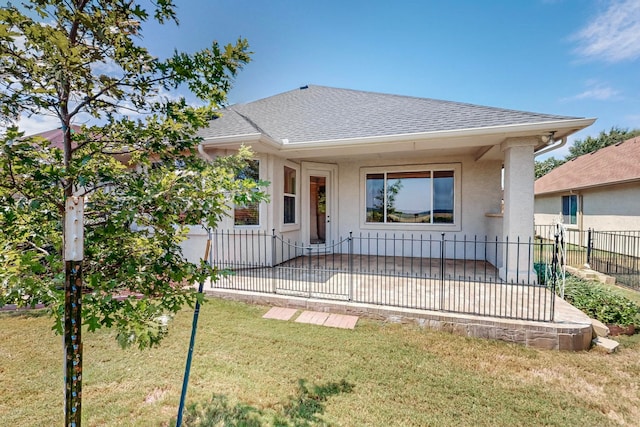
(319, 216)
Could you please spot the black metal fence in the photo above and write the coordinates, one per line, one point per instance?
(615, 253)
(573, 242)
(484, 277)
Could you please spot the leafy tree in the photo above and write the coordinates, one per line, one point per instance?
(392, 190)
(604, 139)
(135, 161)
(545, 166)
(586, 146)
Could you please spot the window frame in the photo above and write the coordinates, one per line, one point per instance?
(294, 225)
(577, 206)
(259, 207)
(456, 168)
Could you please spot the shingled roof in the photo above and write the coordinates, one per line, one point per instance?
(56, 136)
(614, 164)
(319, 113)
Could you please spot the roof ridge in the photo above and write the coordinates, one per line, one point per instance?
(252, 123)
(395, 95)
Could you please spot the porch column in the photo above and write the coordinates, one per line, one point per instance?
(517, 265)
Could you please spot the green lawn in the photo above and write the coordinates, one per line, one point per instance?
(391, 374)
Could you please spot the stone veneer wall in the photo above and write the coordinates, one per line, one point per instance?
(550, 336)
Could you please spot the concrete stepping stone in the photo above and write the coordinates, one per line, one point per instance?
(312, 317)
(280, 313)
(341, 321)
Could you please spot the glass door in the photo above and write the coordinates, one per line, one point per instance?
(319, 218)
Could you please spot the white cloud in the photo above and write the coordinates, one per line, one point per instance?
(612, 36)
(107, 67)
(37, 123)
(595, 90)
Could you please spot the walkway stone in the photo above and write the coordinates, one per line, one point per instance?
(313, 317)
(341, 321)
(280, 313)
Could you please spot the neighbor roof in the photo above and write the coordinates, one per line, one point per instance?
(56, 136)
(319, 113)
(614, 164)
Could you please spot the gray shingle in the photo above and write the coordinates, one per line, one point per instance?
(318, 113)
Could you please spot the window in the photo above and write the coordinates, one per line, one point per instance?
(421, 196)
(289, 195)
(570, 209)
(248, 214)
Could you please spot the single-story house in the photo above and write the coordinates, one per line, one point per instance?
(343, 161)
(599, 190)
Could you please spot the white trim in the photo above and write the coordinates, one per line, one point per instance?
(298, 196)
(569, 125)
(457, 194)
(262, 211)
(331, 171)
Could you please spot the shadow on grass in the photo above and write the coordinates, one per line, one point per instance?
(301, 410)
(26, 312)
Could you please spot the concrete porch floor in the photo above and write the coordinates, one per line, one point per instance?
(424, 267)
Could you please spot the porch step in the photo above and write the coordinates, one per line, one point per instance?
(599, 329)
(606, 343)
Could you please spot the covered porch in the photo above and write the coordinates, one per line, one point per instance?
(416, 271)
(442, 283)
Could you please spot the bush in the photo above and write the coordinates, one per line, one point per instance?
(601, 303)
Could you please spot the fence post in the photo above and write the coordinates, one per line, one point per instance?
(442, 267)
(554, 275)
(589, 246)
(273, 260)
(350, 266)
(310, 249)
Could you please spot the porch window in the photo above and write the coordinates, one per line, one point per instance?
(570, 209)
(289, 195)
(423, 197)
(248, 214)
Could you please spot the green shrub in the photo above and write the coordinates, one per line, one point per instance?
(601, 303)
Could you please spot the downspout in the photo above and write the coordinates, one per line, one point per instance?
(555, 145)
(204, 153)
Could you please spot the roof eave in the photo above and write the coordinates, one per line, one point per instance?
(587, 187)
(561, 128)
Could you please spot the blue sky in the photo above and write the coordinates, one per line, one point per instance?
(571, 57)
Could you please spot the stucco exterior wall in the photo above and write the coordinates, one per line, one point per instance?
(610, 208)
(478, 193)
(546, 209)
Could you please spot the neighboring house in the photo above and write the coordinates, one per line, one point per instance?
(56, 136)
(341, 161)
(600, 190)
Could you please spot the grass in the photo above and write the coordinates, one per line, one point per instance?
(385, 374)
